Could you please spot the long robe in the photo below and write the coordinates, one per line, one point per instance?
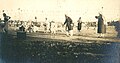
(79, 25)
(101, 26)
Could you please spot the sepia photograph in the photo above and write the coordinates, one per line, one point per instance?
(59, 31)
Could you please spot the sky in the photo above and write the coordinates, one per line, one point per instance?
(55, 10)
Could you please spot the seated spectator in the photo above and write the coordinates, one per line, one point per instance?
(22, 28)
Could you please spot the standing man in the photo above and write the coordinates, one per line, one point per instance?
(53, 27)
(79, 24)
(69, 25)
(47, 25)
(101, 25)
(6, 18)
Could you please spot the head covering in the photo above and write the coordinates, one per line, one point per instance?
(4, 14)
(79, 17)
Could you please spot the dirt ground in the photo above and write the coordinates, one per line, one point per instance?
(85, 34)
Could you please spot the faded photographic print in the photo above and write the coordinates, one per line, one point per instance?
(59, 31)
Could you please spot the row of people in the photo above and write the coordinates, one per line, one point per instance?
(69, 25)
(101, 29)
(51, 26)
